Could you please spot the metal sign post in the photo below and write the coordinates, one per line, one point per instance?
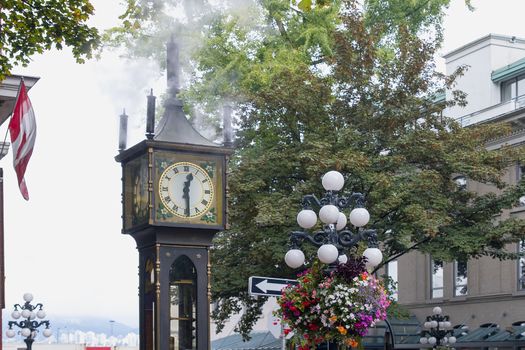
(270, 287)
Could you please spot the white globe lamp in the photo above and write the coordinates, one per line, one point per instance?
(41, 313)
(437, 310)
(329, 214)
(47, 332)
(16, 314)
(447, 324)
(359, 217)
(26, 313)
(452, 340)
(307, 218)
(28, 297)
(294, 258)
(341, 222)
(32, 315)
(433, 324)
(327, 253)
(432, 340)
(373, 257)
(10, 333)
(426, 325)
(423, 340)
(445, 340)
(333, 181)
(26, 332)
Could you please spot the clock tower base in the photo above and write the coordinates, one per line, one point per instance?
(174, 289)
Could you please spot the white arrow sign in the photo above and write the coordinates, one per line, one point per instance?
(266, 286)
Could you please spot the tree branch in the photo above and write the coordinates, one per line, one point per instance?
(299, 12)
(394, 257)
(282, 30)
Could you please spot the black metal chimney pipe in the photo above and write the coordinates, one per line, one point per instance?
(123, 132)
(150, 116)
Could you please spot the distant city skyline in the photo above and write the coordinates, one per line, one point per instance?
(84, 338)
(79, 330)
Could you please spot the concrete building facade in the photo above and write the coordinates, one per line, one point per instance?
(484, 290)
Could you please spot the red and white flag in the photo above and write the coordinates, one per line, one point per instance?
(22, 128)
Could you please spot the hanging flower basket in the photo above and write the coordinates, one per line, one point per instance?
(337, 307)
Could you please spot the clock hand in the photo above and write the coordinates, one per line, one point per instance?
(186, 193)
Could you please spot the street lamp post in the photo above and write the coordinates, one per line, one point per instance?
(438, 330)
(334, 235)
(28, 325)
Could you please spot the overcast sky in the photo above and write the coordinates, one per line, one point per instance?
(64, 245)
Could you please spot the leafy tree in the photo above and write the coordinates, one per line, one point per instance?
(345, 85)
(29, 27)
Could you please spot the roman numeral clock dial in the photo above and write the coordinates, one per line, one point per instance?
(186, 190)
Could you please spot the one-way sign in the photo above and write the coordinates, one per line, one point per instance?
(268, 286)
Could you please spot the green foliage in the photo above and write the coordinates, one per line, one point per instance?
(30, 27)
(418, 15)
(342, 85)
(366, 114)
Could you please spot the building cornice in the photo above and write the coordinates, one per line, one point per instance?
(506, 38)
(8, 91)
(467, 300)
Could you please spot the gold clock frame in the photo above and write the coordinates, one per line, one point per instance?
(207, 178)
(155, 160)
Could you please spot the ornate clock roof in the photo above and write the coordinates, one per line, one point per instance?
(174, 126)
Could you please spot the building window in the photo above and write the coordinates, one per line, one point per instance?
(436, 286)
(521, 266)
(519, 177)
(508, 90)
(513, 88)
(520, 172)
(460, 278)
(391, 272)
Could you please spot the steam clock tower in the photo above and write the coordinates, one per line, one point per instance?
(174, 201)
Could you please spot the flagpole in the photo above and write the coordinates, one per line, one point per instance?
(2, 260)
(2, 255)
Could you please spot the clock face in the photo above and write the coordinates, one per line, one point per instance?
(136, 193)
(140, 195)
(186, 190)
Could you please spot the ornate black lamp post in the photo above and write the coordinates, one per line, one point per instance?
(334, 236)
(28, 325)
(438, 330)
